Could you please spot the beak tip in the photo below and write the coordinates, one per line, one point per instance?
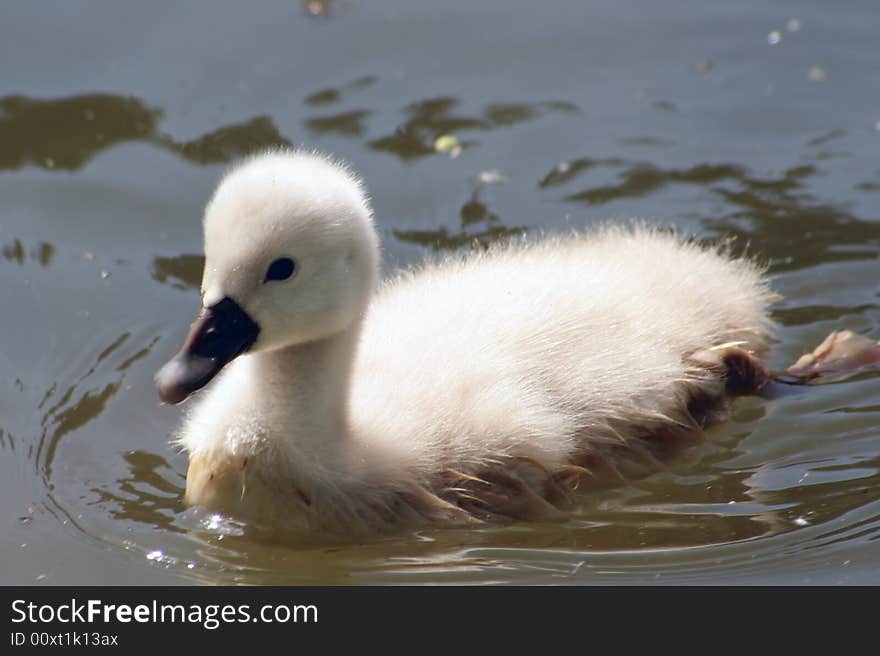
(168, 383)
(218, 335)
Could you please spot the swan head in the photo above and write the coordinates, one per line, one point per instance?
(291, 256)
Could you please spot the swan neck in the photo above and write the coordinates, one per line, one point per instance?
(310, 383)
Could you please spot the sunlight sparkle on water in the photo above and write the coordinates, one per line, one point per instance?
(217, 523)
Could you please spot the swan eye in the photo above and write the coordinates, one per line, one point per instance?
(280, 269)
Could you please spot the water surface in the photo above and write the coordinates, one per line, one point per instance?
(754, 120)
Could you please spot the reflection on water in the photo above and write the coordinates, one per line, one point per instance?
(66, 133)
(806, 314)
(181, 271)
(72, 410)
(63, 417)
(7, 440)
(825, 138)
(229, 143)
(424, 122)
(145, 496)
(349, 124)
(479, 228)
(797, 231)
(565, 171)
(647, 141)
(15, 252)
(428, 119)
(333, 95)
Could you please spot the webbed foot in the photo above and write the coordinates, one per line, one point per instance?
(842, 354)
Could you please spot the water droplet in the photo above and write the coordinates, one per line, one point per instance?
(774, 37)
(156, 555)
(190, 565)
(817, 74)
(801, 521)
(492, 176)
(104, 274)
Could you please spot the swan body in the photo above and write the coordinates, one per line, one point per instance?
(480, 386)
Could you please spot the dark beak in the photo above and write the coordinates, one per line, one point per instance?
(219, 334)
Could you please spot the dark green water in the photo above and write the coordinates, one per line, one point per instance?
(760, 120)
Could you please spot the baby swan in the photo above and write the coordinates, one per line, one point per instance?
(484, 386)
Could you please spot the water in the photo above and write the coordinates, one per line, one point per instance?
(756, 120)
